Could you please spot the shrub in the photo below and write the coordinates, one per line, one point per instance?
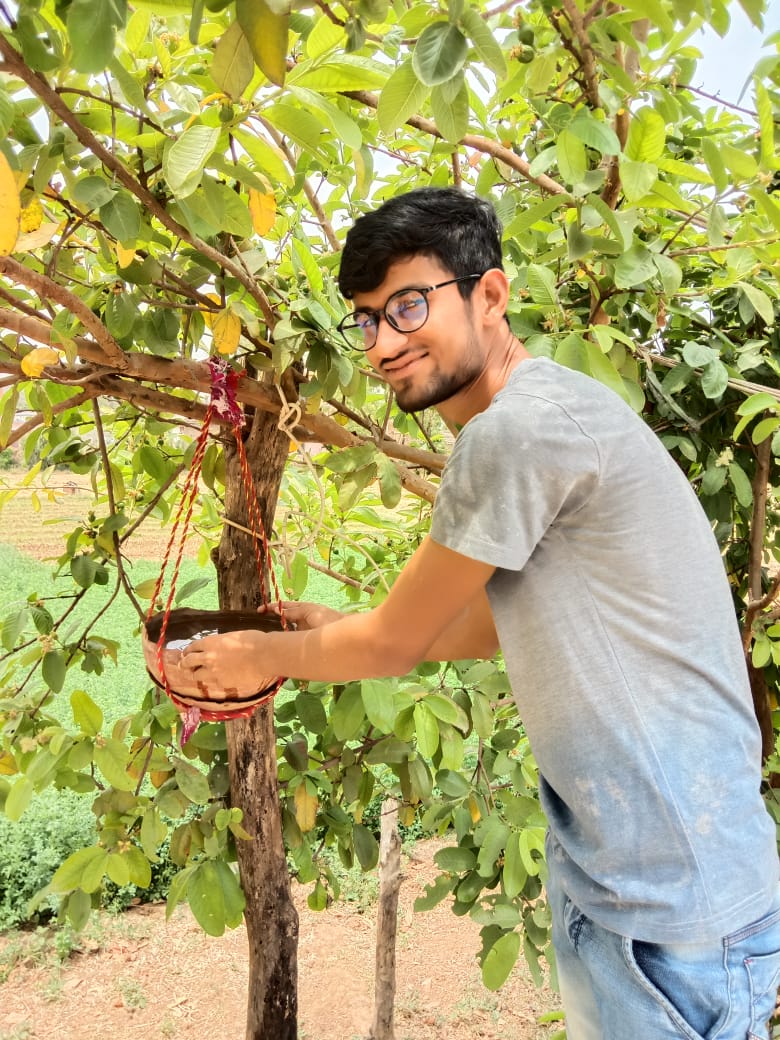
(56, 824)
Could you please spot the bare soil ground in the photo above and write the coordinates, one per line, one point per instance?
(136, 977)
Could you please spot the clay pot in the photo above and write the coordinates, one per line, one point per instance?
(185, 625)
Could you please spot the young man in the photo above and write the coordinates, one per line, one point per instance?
(565, 533)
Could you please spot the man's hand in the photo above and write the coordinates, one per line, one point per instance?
(304, 616)
(229, 665)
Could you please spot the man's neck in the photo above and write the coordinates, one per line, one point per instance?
(475, 398)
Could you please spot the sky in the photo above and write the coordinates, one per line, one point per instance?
(727, 62)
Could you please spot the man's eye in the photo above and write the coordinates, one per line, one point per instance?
(408, 306)
(364, 321)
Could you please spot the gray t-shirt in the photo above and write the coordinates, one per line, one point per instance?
(618, 630)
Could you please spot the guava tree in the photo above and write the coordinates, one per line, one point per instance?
(175, 182)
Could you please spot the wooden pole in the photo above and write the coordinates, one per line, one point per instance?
(387, 921)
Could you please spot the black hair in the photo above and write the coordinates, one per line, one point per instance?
(459, 230)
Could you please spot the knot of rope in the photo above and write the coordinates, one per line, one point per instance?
(289, 416)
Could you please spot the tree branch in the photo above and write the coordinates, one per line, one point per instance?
(47, 289)
(40, 87)
(475, 141)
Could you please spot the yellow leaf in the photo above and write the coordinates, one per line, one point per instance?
(10, 208)
(474, 810)
(226, 330)
(37, 239)
(32, 216)
(267, 31)
(305, 808)
(209, 315)
(124, 255)
(8, 766)
(263, 210)
(34, 363)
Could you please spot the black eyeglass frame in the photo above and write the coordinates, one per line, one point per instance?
(348, 321)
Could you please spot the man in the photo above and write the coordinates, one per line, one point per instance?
(564, 532)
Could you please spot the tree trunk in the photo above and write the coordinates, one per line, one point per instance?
(271, 917)
(387, 921)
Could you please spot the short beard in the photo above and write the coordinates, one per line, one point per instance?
(417, 399)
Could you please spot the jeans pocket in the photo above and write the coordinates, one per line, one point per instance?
(763, 973)
(666, 987)
(755, 951)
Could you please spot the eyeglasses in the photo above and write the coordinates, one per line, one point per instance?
(406, 311)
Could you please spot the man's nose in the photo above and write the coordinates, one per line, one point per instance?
(389, 342)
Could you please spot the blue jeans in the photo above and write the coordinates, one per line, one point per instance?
(616, 988)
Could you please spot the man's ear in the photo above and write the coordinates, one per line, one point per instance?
(493, 293)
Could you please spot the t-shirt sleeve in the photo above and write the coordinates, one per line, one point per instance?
(516, 470)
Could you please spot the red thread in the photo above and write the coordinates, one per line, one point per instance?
(224, 403)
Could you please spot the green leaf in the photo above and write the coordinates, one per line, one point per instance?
(349, 72)
(714, 379)
(427, 729)
(311, 712)
(595, 133)
(485, 44)
(452, 784)
(435, 893)
(440, 53)
(350, 460)
(451, 115)
(366, 847)
(715, 164)
(757, 403)
(18, 798)
(764, 429)
(390, 487)
(78, 907)
(669, 271)
(112, 758)
(83, 568)
(766, 125)
(118, 869)
(53, 668)
(455, 859)
(91, 30)
(233, 65)
(500, 960)
(192, 783)
(206, 898)
(266, 27)
(80, 870)
(348, 713)
(541, 285)
(572, 158)
(514, 875)
(401, 96)
(637, 178)
(93, 191)
(185, 159)
(232, 894)
(447, 710)
(377, 695)
(741, 163)
(741, 484)
(646, 136)
(697, 355)
(759, 301)
(634, 267)
(86, 715)
(121, 216)
(13, 626)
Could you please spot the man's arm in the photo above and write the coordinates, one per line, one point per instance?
(437, 609)
(471, 634)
